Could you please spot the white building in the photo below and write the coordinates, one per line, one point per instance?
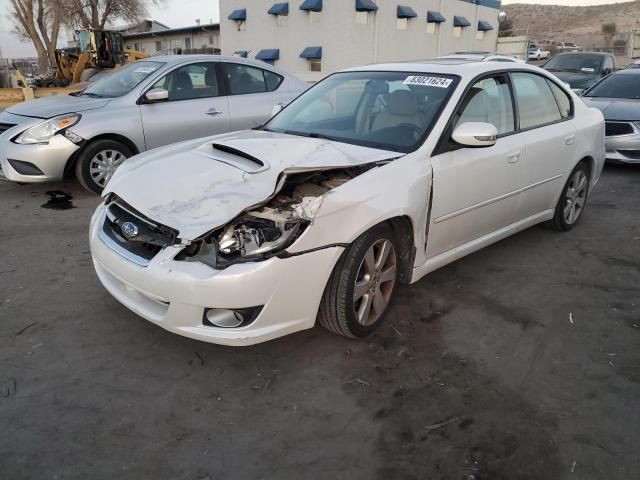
(313, 38)
(195, 39)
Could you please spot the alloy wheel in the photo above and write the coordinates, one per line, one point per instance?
(375, 282)
(576, 197)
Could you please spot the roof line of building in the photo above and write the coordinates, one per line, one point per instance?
(210, 27)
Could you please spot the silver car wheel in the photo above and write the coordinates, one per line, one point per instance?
(375, 282)
(104, 164)
(576, 197)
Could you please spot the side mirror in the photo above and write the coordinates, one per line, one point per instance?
(276, 109)
(475, 134)
(156, 95)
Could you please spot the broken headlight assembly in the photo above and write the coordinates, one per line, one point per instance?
(269, 229)
(44, 131)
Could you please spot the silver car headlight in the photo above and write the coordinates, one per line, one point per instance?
(42, 132)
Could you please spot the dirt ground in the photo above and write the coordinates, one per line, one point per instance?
(521, 361)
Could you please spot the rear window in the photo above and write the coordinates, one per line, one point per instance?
(244, 79)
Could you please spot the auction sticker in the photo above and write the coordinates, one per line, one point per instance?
(439, 82)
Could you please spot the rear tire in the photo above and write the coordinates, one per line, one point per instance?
(573, 199)
(98, 162)
(361, 287)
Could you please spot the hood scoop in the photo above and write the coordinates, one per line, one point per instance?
(233, 157)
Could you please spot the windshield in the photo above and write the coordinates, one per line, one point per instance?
(575, 62)
(386, 110)
(617, 86)
(122, 81)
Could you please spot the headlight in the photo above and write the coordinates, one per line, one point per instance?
(42, 132)
(253, 236)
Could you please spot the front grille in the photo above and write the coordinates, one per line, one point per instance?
(151, 237)
(6, 126)
(613, 129)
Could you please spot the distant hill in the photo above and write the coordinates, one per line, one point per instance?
(581, 25)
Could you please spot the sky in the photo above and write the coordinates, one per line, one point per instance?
(182, 13)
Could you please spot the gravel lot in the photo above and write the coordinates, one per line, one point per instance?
(518, 362)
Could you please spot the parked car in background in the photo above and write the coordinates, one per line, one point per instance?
(244, 237)
(563, 47)
(537, 53)
(144, 105)
(634, 65)
(581, 70)
(618, 97)
(482, 57)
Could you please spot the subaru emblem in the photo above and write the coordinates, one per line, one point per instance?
(129, 229)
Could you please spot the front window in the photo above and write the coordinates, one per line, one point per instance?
(123, 80)
(575, 62)
(386, 110)
(617, 86)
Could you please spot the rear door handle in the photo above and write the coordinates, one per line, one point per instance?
(569, 140)
(513, 157)
(214, 111)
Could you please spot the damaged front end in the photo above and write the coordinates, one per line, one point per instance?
(268, 229)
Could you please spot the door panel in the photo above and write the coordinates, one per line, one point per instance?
(253, 92)
(195, 107)
(475, 190)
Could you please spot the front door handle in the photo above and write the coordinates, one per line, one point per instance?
(569, 140)
(214, 111)
(513, 157)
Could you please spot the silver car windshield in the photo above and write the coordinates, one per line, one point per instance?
(387, 110)
(122, 81)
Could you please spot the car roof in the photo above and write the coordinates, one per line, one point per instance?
(627, 71)
(453, 66)
(178, 59)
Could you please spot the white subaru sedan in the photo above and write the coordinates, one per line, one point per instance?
(374, 177)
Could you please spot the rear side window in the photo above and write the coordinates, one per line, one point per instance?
(244, 79)
(564, 102)
(536, 103)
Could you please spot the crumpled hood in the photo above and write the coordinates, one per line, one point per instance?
(56, 105)
(615, 108)
(194, 187)
(578, 79)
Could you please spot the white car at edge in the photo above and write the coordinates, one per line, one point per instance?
(374, 177)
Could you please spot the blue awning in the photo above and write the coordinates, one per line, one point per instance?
(406, 12)
(366, 6)
(279, 9)
(238, 15)
(484, 26)
(241, 53)
(311, 5)
(461, 22)
(312, 53)
(268, 54)
(435, 17)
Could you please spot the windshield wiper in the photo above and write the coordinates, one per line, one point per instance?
(94, 95)
(307, 134)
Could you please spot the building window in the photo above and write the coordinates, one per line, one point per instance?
(315, 65)
(158, 46)
(362, 18)
(480, 35)
(314, 17)
(210, 39)
(187, 43)
(431, 27)
(457, 32)
(282, 20)
(402, 23)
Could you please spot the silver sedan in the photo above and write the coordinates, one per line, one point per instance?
(144, 105)
(618, 97)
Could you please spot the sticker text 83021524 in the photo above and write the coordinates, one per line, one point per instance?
(439, 82)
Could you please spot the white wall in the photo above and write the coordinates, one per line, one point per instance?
(346, 43)
(199, 39)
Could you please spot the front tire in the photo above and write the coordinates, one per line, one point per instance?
(573, 199)
(362, 285)
(98, 162)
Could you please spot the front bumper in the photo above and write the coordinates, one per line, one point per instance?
(50, 159)
(174, 294)
(623, 148)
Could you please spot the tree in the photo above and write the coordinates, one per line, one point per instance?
(608, 31)
(98, 13)
(38, 21)
(506, 28)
